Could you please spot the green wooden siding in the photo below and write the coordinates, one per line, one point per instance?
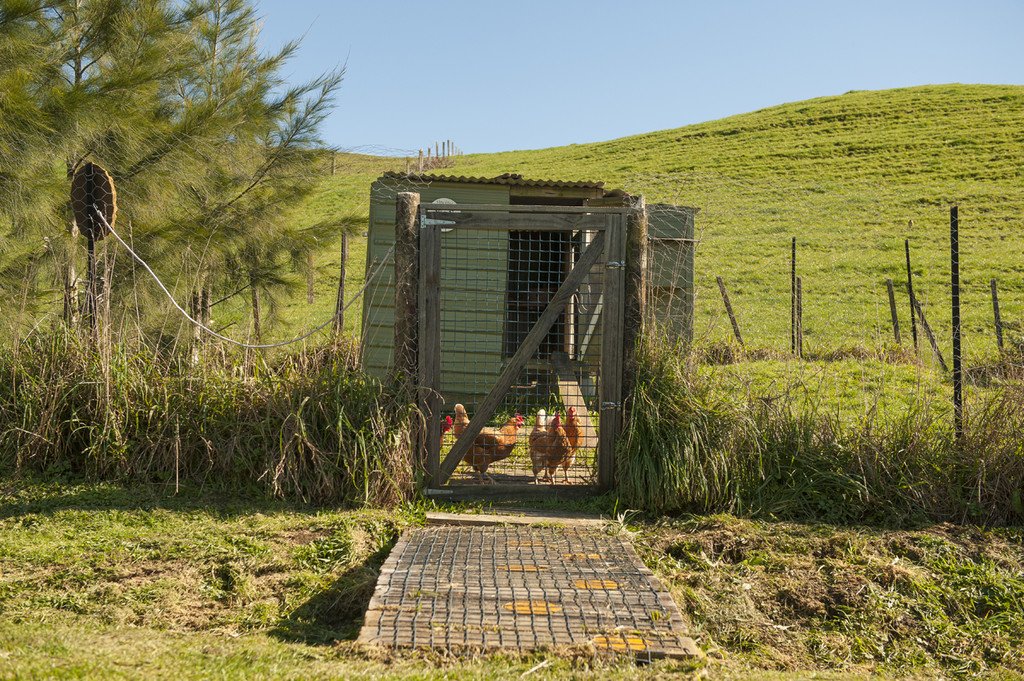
(473, 282)
(473, 285)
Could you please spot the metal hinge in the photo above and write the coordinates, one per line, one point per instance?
(611, 405)
(615, 265)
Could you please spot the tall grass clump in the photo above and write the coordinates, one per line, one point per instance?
(308, 427)
(683, 448)
(690, 448)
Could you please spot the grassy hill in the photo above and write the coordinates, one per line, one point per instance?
(844, 175)
(101, 581)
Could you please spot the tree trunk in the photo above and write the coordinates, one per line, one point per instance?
(70, 283)
(339, 306)
(310, 278)
(257, 316)
(69, 276)
(197, 308)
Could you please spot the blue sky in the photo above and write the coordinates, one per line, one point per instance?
(498, 76)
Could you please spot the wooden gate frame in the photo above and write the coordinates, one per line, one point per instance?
(610, 224)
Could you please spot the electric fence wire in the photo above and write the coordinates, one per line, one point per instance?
(369, 280)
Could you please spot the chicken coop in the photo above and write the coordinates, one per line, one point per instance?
(526, 276)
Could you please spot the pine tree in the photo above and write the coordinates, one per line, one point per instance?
(208, 147)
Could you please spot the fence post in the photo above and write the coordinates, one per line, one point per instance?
(954, 276)
(339, 308)
(995, 313)
(310, 277)
(928, 331)
(799, 317)
(728, 308)
(792, 300)
(407, 272)
(910, 290)
(635, 292)
(892, 311)
(429, 379)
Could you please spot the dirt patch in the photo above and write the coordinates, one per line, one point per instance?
(302, 537)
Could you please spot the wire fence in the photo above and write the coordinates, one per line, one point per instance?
(849, 241)
(756, 247)
(792, 285)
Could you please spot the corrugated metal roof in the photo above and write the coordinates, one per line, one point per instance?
(511, 179)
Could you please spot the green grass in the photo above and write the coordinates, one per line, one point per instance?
(101, 582)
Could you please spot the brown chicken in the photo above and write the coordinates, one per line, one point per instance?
(549, 446)
(574, 431)
(491, 445)
(461, 420)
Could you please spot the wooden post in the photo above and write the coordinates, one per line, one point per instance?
(728, 308)
(91, 227)
(613, 356)
(635, 290)
(792, 300)
(954, 277)
(430, 349)
(195, 308)
(892, 311)
(334, 162)
(257, 313)
(339, 308)
(407, 272)
(910, 291)
(928, 331)
(91, 308)
(69, 272)
(310, 279)
(421, 162)
(799, 317)
(995, 313)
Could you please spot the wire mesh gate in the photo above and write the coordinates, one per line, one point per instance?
(521, 317)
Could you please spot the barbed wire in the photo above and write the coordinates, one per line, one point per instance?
(250, 346)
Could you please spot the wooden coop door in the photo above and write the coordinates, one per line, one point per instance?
(521, 315)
